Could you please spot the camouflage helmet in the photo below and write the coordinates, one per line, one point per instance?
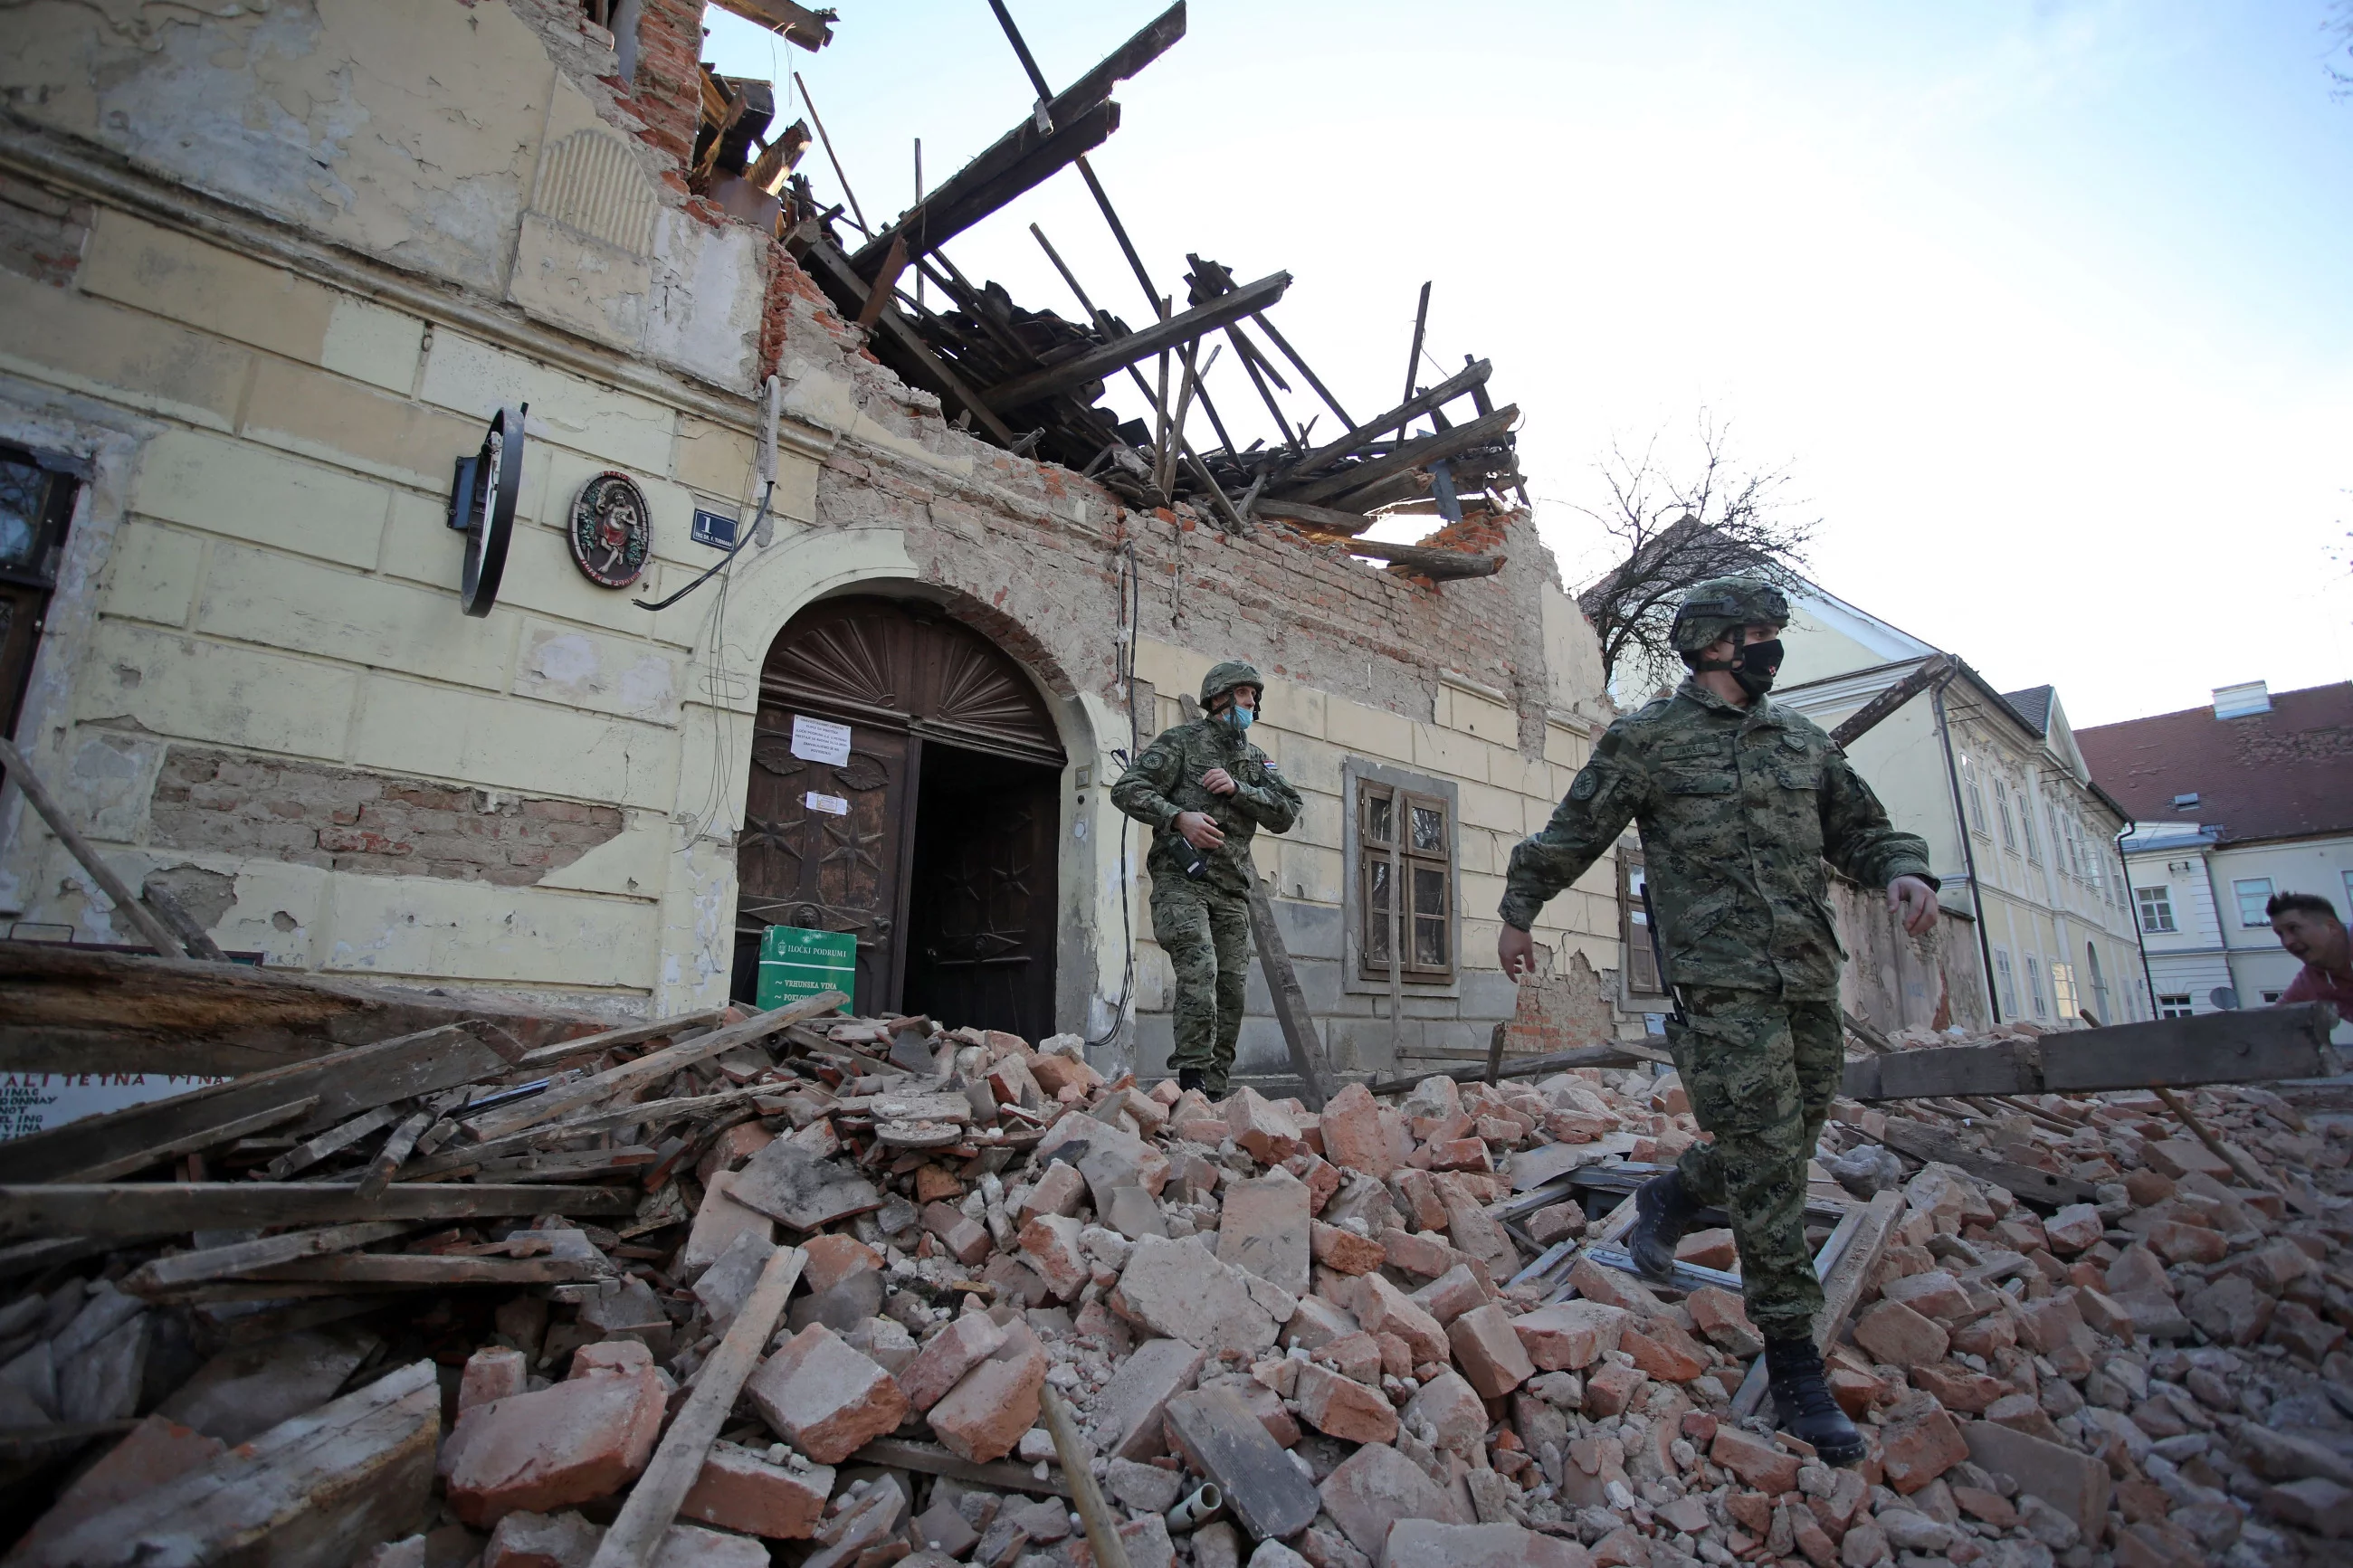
(1224, 678)
(1722, 603)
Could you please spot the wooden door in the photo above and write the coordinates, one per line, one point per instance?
(980, 946)
(824, 846)
(902, 675)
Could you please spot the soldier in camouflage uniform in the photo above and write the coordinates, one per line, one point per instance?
(1740, 801)
(1205, 790)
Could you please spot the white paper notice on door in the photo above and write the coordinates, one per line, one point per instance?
(832, 804)
(820, 741)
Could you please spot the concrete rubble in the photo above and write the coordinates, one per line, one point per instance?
(1397, 1332)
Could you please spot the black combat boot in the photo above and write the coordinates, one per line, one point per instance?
(1191, 1077)
(1802, 1404)
(1663, 1213)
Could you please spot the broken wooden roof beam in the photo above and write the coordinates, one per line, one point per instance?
(1098, 362)
(1075, 121)
(810, 29)
(1409, 455)
(1358, 436)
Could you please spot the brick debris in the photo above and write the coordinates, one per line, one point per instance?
(1389, 1334)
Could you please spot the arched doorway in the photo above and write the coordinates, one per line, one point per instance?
(930, 833)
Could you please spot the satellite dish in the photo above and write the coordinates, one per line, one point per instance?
(482, 507)
(2225, 997)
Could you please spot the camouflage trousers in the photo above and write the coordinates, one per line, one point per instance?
(1761, 1071)
(1205, 932)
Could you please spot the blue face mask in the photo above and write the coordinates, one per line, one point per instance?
(1238, 716)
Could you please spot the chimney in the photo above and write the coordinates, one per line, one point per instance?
(2240, 701)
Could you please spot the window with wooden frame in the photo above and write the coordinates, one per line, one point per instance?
(1641, 967)
(1405, 878)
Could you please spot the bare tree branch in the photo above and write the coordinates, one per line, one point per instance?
(1677, 531)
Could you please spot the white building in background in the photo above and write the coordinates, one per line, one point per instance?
(2023, 838)
(2248, 796)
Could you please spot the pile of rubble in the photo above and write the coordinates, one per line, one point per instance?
(788, 1288)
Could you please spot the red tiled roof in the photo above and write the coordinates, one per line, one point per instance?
(2287, 774)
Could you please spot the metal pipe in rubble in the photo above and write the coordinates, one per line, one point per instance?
(1205, 1503)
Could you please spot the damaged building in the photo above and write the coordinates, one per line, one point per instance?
(271, 273)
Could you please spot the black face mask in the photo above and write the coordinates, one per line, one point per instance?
(1756, 665)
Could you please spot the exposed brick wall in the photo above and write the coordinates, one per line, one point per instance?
(345, 820)
(41, 232)
(667, 93)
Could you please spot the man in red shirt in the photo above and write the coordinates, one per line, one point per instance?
(2307, 926)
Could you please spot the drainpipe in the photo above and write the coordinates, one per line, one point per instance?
(2222, 924)
(1968, 856)
(2132, 907)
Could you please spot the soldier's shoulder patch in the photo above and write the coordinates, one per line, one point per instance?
(1586, 785)
(1653, 709)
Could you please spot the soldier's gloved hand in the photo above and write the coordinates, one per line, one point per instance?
(1198, 829)
(1216, 781)
(1517, 951)
(1913, 901)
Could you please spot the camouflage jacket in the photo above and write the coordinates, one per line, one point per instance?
(1166, 780)
(1738, 809)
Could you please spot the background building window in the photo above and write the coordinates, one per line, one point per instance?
(2034, 988)
(2099, 984)
(1405, 841)
(2005, 988)
(2271, 998)
(1642, 969)
(2026, 826)
(2001, 809)
(2063, 997)
(2345, 910)
(1975, 799)
(2156, 909)
(2172, 1006)
(2253, 893)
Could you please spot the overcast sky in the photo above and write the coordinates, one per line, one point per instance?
(2045, 306)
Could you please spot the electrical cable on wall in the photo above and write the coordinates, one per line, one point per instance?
(1132, 614)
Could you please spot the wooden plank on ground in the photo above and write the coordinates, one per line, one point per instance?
(429, 1268)
(2030, 1184)
(2249, 1046)
(346, 1084)
(1307, 1057)
(1848, 1260)
(637, 1534)
(606, 1040)
(164, 1208)
(1611, 1055)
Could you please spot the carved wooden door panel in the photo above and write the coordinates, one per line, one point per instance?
(981, 942)
(830, 847)
(824, 845)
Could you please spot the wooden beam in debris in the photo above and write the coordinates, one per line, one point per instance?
(162, 1208)
(604, 1040)
(810, 29)
(308, 1491)
(65, 1009)
(1410, 455)
(221, 1262)
(1514, 1068)
(1435, 397)
(2251, 1046)
(1928, 672)
(1438, 565)
(344, 1084)
(636, 1536)
(1096, 363)
(142, 920)
(2048, 1188)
